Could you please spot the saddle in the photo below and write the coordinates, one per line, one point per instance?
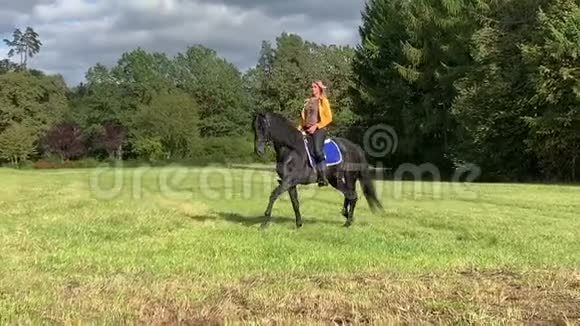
(332, 153)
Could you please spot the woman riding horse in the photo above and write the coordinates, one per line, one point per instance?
(315, 116)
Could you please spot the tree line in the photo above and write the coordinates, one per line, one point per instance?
(492, 83)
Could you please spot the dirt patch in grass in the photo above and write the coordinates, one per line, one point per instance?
(500, 297)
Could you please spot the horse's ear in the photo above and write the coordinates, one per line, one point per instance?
(259, 118)
(262, 115)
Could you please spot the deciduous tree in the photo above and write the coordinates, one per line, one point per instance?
(65, 140)
(17, 143)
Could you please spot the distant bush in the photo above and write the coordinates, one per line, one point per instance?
(45, 164)
(26, 165)
(226, 150)
(221, 151)
(85, 163)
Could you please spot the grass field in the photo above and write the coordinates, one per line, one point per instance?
(171, 245)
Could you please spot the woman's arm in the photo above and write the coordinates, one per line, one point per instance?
(325, 113)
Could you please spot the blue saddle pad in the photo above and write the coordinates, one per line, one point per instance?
(332, 153)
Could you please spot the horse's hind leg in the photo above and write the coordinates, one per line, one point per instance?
(295, 205)
(347, 185)
(339, 184)
(350, 199)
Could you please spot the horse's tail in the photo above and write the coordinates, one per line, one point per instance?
(368, 189)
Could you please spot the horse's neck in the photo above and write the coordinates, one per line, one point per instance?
(290, 137)
(292, 142)
(296, 145)
(285, 154)
(281, 152)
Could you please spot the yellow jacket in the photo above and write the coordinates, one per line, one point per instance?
(324, 114)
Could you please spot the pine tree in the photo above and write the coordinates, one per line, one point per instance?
(411, 54)
(555, 119)
(25, 44)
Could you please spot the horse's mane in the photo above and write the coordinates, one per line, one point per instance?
(279, 119)
(284, 130)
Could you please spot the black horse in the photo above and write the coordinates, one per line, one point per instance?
(293, 168)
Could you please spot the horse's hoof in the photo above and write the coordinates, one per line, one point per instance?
(299, 225)
(347, 224)
(264, 225)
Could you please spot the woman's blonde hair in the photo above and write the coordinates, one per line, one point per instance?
(321, 86)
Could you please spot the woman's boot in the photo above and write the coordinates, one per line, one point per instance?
(321, 169)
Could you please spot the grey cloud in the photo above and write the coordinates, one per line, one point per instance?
(79, 33)
(22, 5)
(6, 21)
(321, 10)
(9, 20)
(14, 11)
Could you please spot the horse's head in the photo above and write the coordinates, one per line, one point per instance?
(261, 133)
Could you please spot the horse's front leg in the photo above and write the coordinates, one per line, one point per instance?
(295, 205)
(282, 188)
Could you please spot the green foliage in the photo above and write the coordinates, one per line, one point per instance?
(167, 127)
(37, 101)
(7, 66)
(411, 54)
(487, 82)
(141, 75)
(555, 120)
(150, 148)
(493, 96)
(99, 101)
(517, 107)
(217, 87)
(30, 104)
(229, 150)
(17, 143)
(55, 162)
(282, 79)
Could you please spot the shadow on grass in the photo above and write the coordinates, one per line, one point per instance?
(255, 220)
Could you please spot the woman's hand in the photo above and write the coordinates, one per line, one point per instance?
(312, 129)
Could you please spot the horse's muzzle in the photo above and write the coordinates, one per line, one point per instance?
(260, 149)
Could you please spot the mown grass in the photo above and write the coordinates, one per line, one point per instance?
(179, 245)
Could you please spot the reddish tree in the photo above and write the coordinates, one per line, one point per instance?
(112, 139)
(66, 140)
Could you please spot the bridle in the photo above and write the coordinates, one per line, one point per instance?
(264, 125)
(263, 128)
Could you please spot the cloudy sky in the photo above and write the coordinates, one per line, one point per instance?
(78, 33)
